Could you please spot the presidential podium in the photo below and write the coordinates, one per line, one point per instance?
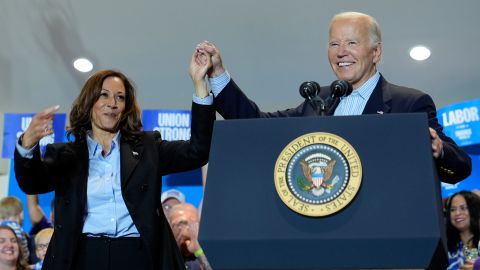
(395, 220)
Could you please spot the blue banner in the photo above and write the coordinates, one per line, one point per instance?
(461, 122)
(17, 123)
(175, 125)
(172, 124)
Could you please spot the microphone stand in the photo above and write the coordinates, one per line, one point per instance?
(320, 106)
(330, 101)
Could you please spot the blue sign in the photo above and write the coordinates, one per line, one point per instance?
(17, 123)
(172, 124)
(461, 122)
(175, 125)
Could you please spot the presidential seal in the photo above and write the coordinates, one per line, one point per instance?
(318, 174)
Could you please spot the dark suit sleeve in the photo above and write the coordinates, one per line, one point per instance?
(232, 103)
(178, 156)
(455, 165)
(33, 175)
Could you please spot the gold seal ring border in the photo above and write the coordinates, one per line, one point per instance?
(318, 210)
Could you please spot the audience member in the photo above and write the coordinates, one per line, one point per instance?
(468, 265)
(170, 198)
(11, 214)
(11, 255)
(184, 220)
(476, 265)
(37, 216)
(463, 213)
(42, 240)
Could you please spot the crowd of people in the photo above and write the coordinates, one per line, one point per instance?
(109, 210)
(27, 250)
(19, 249)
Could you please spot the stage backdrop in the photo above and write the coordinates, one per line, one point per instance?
(172, 124)
(461, 122)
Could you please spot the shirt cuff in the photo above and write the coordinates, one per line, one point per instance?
(24, 152)
(218, 83)
(208, 100)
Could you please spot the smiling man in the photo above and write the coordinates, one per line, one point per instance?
(354, 51)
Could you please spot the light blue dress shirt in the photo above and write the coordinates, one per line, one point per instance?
(354, 104)
(208, 100)
(218, 83)
(106, 212)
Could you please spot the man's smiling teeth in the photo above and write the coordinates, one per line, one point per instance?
(343, 64)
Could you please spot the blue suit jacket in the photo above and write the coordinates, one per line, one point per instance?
(455, 164)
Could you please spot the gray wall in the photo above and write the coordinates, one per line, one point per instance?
(269, 47)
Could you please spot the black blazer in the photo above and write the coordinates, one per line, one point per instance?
(455, 165)
(65, 171)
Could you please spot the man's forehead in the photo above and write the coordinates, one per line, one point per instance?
(44, 238)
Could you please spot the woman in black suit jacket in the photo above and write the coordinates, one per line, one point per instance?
(105, 123)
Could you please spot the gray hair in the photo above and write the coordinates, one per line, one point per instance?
(374, 32)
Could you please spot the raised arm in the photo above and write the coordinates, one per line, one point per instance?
(35, 212)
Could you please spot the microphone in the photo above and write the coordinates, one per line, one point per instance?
(341, 88)
(309, 90)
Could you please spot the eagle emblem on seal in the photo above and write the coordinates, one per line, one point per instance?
(317, 174)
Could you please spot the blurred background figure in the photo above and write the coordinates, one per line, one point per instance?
(37, 216)
(463, 213)
(184, 220)
(11, 215)
(11, 255)
(170, 198)
(42, 240)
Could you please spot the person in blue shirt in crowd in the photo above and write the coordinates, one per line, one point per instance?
(108, 213)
